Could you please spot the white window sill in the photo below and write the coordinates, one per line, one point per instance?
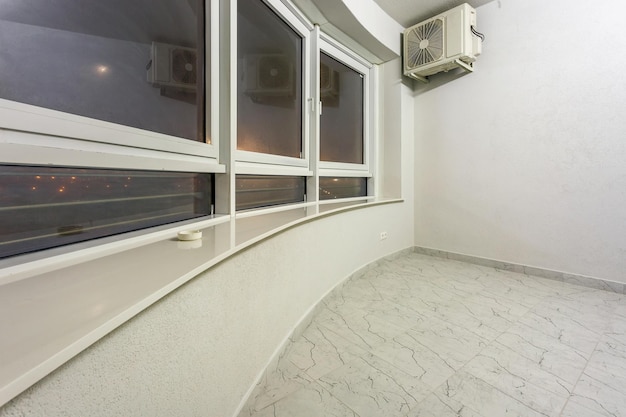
(48, 318)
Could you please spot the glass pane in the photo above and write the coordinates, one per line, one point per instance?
(264, 190)
(269, 74)
(342, 187)
(134, 63)
(42, 207)
(341, 123)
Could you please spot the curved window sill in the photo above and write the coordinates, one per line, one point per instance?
(51, 316)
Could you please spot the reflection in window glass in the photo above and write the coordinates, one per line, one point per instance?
(341, 123)
(43, 207)
(255, 191)
(342, 187)
(269, 74)
(135, 63)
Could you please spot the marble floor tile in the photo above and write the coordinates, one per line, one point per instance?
(372, 387)
(567, 330)
(422, 336)
(319, 351)
(406, 352)
(426, 299)
(433, 406)
(617, 327)
(464, 390)
(279, 383)
(598, 298)
(507, 308)
(609, 357)
(527, 297)
(575, 410)
(454, 344)
(590, 317)
(600, 395)
(485, 320)
(512, 283)
(309, 401)
(520, 378)
(360, 327)
(547, 352)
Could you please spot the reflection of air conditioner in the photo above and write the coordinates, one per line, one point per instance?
(441, 43)
(267, 75)
(329, 82)
(173, 66)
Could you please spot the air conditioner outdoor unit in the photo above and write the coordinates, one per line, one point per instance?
(441, 43)
(267, 75)
(329, 82)
(173, 66)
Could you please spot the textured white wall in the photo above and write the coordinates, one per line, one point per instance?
(525, 159)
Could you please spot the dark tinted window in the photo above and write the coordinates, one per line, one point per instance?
(342, 187)
(269, 74)
(42, 207)
(137, 63)
(341, 123)
(255, 191)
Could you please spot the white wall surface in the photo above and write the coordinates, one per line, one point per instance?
(525, 160)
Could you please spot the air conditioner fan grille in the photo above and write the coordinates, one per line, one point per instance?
(184, 66)
(274, 72)
(425, 43)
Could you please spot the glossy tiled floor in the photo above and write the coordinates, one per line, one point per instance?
(428, 337)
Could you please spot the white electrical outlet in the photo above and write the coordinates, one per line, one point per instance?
(383, 235)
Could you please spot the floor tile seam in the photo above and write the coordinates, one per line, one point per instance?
(582, 372)
(336, 398)
(435, 393)
(561, 302)
(595, 412)
(599, 370)
(512, 321)
(488, 341)
(496, 293)
(337, 334)
(513, 398)
(567, 317)
(352, 352)
(428, 389)
(462, 369)
(320, 386)
(369, 347)
(531, 360)
(613, 338)
(525, 380)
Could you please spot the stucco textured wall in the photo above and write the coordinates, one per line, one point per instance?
(523, 160)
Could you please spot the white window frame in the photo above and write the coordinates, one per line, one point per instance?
(257, 163)
(37, 135)
(347, 57)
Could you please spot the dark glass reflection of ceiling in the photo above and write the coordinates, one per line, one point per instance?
(141, 21)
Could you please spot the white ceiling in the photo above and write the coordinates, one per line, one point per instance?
(410, 12)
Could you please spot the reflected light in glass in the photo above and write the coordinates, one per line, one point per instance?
(102, 69)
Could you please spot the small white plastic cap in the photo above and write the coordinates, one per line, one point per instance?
(190, 235)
